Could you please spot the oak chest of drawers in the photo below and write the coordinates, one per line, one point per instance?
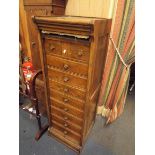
(73, 51)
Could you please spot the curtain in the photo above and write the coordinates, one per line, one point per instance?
(117, 68)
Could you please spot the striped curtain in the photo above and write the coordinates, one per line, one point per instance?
(117, 68)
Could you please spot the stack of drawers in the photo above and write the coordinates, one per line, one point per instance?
(72, 61)
(67, 71)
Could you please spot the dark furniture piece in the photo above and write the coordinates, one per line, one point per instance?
(27, 90)
(73, 51)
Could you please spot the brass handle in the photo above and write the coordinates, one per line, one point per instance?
(52, 47)
(66, 90)
(80, 53)
(66, 66)
(65, 124)
(66, 118)
(65, 109)
(66, 79)
(65, 132)
(66, 100)
(64, 51)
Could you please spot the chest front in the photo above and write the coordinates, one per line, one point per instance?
(73, 51)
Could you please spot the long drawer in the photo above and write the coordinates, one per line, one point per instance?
(67, 108)
(67, 133)
(77, 51)
(67, 124)
(66, 99)
(66, 78)
(67, 90)
(77, 68)
(66, 116)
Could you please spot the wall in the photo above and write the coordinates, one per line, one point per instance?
(90, 8)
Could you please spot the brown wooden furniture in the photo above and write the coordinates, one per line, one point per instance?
(40, 8)
(73, 51)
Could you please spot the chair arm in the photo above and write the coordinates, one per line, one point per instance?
(32, 83)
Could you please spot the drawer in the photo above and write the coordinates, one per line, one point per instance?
(77, 51)
(66, 108)
(67, 124)
(68, 134)
(77, 68)
(67, 90)
(67, 100)
(66, 116)
(66, 78)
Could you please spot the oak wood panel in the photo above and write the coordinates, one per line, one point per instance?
(67, 124)
(67, 65)
(67, 90)
(37, 2)
(74, 102)
(67, 78)
(67, 141)
(66, 116)
(67, 133)
(74, 49)
(67, 108)
(24, 35)
(81, 113)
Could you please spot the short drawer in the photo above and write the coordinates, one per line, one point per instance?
(66, 116)
(67, 90)
(77, 51)
(67, 124)
(66, 108)
(66, 78)
(77, 68)
(67, 100)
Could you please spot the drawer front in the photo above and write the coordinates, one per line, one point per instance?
(66, 116)
(67, 78)
(68, 134)
(80, 69)
(67, 90)
(67, 124)
(67, 108)
(66, 49)
(67, 100)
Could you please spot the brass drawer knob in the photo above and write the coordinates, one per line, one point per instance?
(65, 124)
(66, 100)
(66, 79)
(66, 118)
(66, 90)
(65, 132)
(52, 47)
(65, 109)
(64, 51)
(66, 66)
(80, 53)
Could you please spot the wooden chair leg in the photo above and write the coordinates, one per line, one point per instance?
(41, 129)
(41, 132)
